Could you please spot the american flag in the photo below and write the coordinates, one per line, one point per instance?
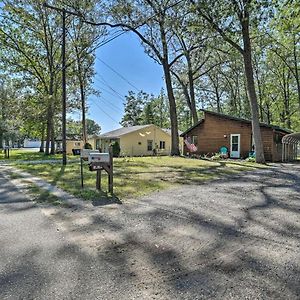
(191, 147)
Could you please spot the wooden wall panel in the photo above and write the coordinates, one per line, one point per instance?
(215, 132)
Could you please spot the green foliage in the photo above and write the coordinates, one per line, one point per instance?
(88, 146)
(75, 127)
(116, 149)
(133, 108)
(198, 58)
(30, 38)
(92, 127)
(250, 159)
(10, 121)
(142, 109)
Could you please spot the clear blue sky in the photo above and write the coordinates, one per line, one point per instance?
(125, 55)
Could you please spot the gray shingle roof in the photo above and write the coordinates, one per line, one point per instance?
(122, 131)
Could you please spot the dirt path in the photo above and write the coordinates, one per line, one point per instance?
(237, 238)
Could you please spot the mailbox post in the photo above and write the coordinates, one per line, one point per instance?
(84, 155)
(102, 161)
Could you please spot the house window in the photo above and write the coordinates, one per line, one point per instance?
(162, 145)
(149, 145)
(195, 140)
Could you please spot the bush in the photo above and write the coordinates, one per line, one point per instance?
(88, 146)
(216, 156)
(116, 149)
(250, 159)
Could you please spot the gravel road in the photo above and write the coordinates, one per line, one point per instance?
(236, 238)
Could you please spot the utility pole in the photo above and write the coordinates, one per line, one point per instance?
(64, 88)
(64, 92)
(63, 50)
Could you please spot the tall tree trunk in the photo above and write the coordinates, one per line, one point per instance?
(172, 104)
(218, 99)
(286, 99)
(161, 110)
(80, 77)
(187, 95)
(2, 120)
(247, 56)
(261, 114)
(239, 102)
(192, 90)
(48, 128)
(173, 111)
(42, 150)
(83, 119)
(268, 113)
(296, 70)
(49, 114)
(52, 139)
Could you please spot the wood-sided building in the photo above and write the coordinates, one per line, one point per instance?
(218, 130)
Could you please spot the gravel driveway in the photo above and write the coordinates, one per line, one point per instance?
(236, 238)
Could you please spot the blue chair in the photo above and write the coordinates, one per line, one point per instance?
(224, 151)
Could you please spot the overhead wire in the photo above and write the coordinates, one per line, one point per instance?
(109, 86)
(112, 104)
(115, 94)
(119, 74)
(106, 113)
(109, 40)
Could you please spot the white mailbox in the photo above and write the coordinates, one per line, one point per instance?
(98, 158)
(84, 153)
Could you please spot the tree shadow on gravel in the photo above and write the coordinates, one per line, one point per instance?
(234, 238)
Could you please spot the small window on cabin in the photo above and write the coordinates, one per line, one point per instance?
(162, 145)
(139, 143)
(149, 145)
(195, 140)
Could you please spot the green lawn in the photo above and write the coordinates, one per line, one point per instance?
(137, 176)
(26, 155)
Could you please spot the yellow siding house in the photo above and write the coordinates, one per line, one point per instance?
(141, 140)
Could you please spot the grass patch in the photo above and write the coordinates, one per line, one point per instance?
(41, 196)
(37, 194)
(137, 176)
(30, 155)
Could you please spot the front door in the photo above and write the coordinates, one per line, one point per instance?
(235, 145)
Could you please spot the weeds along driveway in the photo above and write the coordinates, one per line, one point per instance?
(236, 238)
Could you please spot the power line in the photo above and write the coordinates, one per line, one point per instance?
(115, 94)
(106, 113)
(120, 75)
(109, 86)
(107, 101)
(112, 106)
(113, 38)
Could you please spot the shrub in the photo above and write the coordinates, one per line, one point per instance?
(216, 156)
(88, 146)
(115, 149)
(250, 159)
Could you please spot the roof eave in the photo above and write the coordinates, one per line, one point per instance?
(191, 128)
